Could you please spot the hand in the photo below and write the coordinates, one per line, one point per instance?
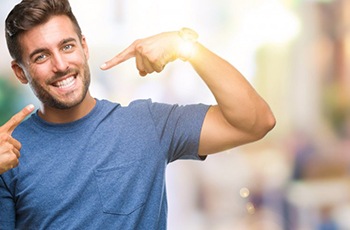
(151, 54)
(10, 147)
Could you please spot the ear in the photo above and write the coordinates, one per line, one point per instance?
(85, 46)
(18, 70)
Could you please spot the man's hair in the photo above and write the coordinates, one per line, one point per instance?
(30, 13)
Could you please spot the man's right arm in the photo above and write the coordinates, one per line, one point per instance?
(9, 154)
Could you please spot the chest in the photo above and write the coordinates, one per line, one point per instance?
(101, 166)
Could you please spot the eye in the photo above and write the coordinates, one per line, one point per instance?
(67, 47)
(40, 58)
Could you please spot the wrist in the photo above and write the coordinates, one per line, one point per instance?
(187, 44)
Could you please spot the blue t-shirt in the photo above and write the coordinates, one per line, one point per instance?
(104, 171)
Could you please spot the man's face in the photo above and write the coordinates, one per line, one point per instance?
(55, 63)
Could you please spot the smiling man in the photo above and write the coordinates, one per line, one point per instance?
(94, 164)
(55, 64)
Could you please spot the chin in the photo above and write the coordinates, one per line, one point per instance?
(64, 104)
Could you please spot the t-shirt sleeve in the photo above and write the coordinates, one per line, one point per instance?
(7, 211)
(179, 128)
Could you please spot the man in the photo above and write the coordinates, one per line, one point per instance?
(93, 164)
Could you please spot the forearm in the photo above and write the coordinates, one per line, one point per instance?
(239, 103)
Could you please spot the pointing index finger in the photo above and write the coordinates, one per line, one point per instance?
(119, 58)
(17, 119)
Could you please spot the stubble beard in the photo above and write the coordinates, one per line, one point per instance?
(49, 100)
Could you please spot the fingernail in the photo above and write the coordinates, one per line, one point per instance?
(30, 107)
(103, 66)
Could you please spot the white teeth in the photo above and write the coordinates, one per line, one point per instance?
(65, 83)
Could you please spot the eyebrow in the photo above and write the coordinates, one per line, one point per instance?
(40, 50)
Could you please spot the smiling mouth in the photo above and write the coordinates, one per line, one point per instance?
(65, 83)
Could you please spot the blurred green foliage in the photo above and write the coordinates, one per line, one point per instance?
(9, 97)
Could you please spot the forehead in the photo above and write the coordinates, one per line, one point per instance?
(48, 34)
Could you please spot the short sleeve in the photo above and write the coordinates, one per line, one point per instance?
(179, 128)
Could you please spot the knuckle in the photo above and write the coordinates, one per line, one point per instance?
(12, 123)
(4, 137)
(15, 162)
(12, 158)
(154, 59)
(6, 148)
(138, 46)
(14, 120)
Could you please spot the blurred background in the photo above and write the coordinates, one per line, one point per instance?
(296, 53)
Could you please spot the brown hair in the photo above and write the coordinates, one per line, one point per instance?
(30, 13)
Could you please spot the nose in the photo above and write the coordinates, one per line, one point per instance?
(59, 63)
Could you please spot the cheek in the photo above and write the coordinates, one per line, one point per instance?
(38, 73)
(83, 57)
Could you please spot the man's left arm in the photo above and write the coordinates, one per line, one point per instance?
(240, 116)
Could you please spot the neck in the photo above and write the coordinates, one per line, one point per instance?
(54, 115)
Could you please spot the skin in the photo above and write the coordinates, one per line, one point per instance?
(53, 55)
(9, 146)
(241, 115)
